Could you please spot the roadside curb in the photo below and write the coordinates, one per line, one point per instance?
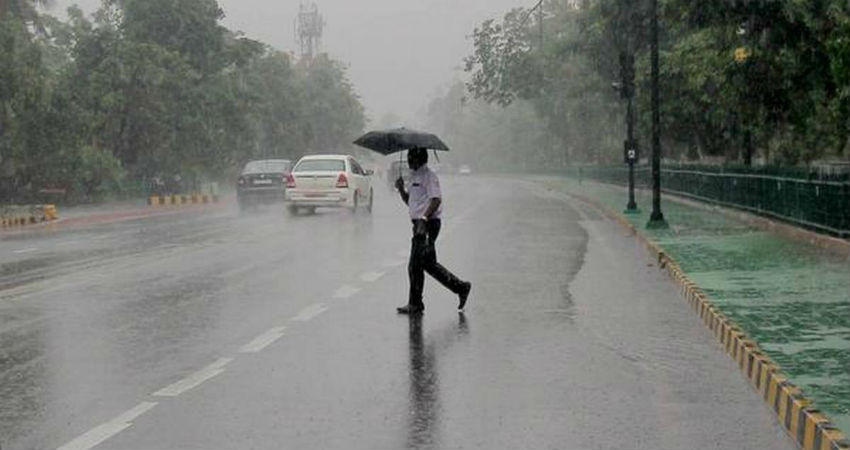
(806, 425)
(176, 200)
(142, 212)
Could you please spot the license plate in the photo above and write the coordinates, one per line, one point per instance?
(256, 182)
(315, 194)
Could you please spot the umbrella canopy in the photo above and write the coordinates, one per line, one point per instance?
(387, 142)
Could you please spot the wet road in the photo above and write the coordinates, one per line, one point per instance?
(217, 330)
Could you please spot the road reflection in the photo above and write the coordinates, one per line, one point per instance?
(424, 408)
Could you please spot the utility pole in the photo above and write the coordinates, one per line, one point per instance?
(656, 219)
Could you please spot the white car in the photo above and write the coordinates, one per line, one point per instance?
(319, 181)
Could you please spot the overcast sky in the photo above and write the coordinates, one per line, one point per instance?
(399, 52)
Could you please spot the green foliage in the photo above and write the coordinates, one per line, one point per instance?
(788, 101)
(557, 76)
(22, 104)
(155, 88)
(488, 137)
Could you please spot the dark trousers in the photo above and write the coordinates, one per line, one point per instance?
(423, 258)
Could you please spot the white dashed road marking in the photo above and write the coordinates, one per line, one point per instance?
(105, 431)
(346, 291)
(102, 432)
(264, 340)
(194, 380)
(26, 250)
(371, 277)
(310, 313)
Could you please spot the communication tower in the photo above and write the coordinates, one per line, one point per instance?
(308, 29)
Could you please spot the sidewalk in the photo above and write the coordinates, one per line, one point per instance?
(792, 298)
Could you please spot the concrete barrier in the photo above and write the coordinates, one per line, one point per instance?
(193, 199)
(13, 216)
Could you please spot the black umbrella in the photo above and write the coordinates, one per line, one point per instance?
(387, 142)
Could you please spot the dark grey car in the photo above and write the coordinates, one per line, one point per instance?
(262, 182)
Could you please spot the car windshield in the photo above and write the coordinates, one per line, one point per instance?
(266, 167)
(321, 165)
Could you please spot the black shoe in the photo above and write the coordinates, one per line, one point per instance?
(464, 294)
(410, 309)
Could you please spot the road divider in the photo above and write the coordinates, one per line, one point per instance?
(176, 200)
(807, 426)
(14, 216)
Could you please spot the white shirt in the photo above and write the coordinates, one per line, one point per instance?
(422, 187)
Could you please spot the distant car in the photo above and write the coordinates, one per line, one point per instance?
(464, 170)
(397, 169)
(329, 181)
(262, 181)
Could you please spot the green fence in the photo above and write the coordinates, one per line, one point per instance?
(818, 203)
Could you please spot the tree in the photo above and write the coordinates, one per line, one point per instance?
(564, 79)
(22, 102)
(333, 113)
(155, 88)
(24, 10)
(785, 102)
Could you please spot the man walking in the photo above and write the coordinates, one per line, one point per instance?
(424, 200)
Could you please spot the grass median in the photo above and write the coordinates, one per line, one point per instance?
(791, 297)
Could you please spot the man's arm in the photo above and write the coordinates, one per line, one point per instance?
(399, 184)
(433, 206)
(432, 187)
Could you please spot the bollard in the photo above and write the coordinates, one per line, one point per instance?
(50, 212)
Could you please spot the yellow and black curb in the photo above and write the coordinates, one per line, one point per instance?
(193, 199)
(809, 427)
(29, 215)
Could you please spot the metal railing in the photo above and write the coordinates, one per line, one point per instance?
(819, 204)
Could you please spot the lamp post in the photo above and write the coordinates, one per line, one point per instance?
(631, 158)
(656, 219)
(630, 146)
(742, 56)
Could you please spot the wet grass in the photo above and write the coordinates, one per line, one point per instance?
(791, 297)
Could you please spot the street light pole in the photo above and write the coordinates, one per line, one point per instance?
(630, 148)
(656, 219)
(631, 156)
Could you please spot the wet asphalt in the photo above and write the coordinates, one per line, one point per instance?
(217, 330)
